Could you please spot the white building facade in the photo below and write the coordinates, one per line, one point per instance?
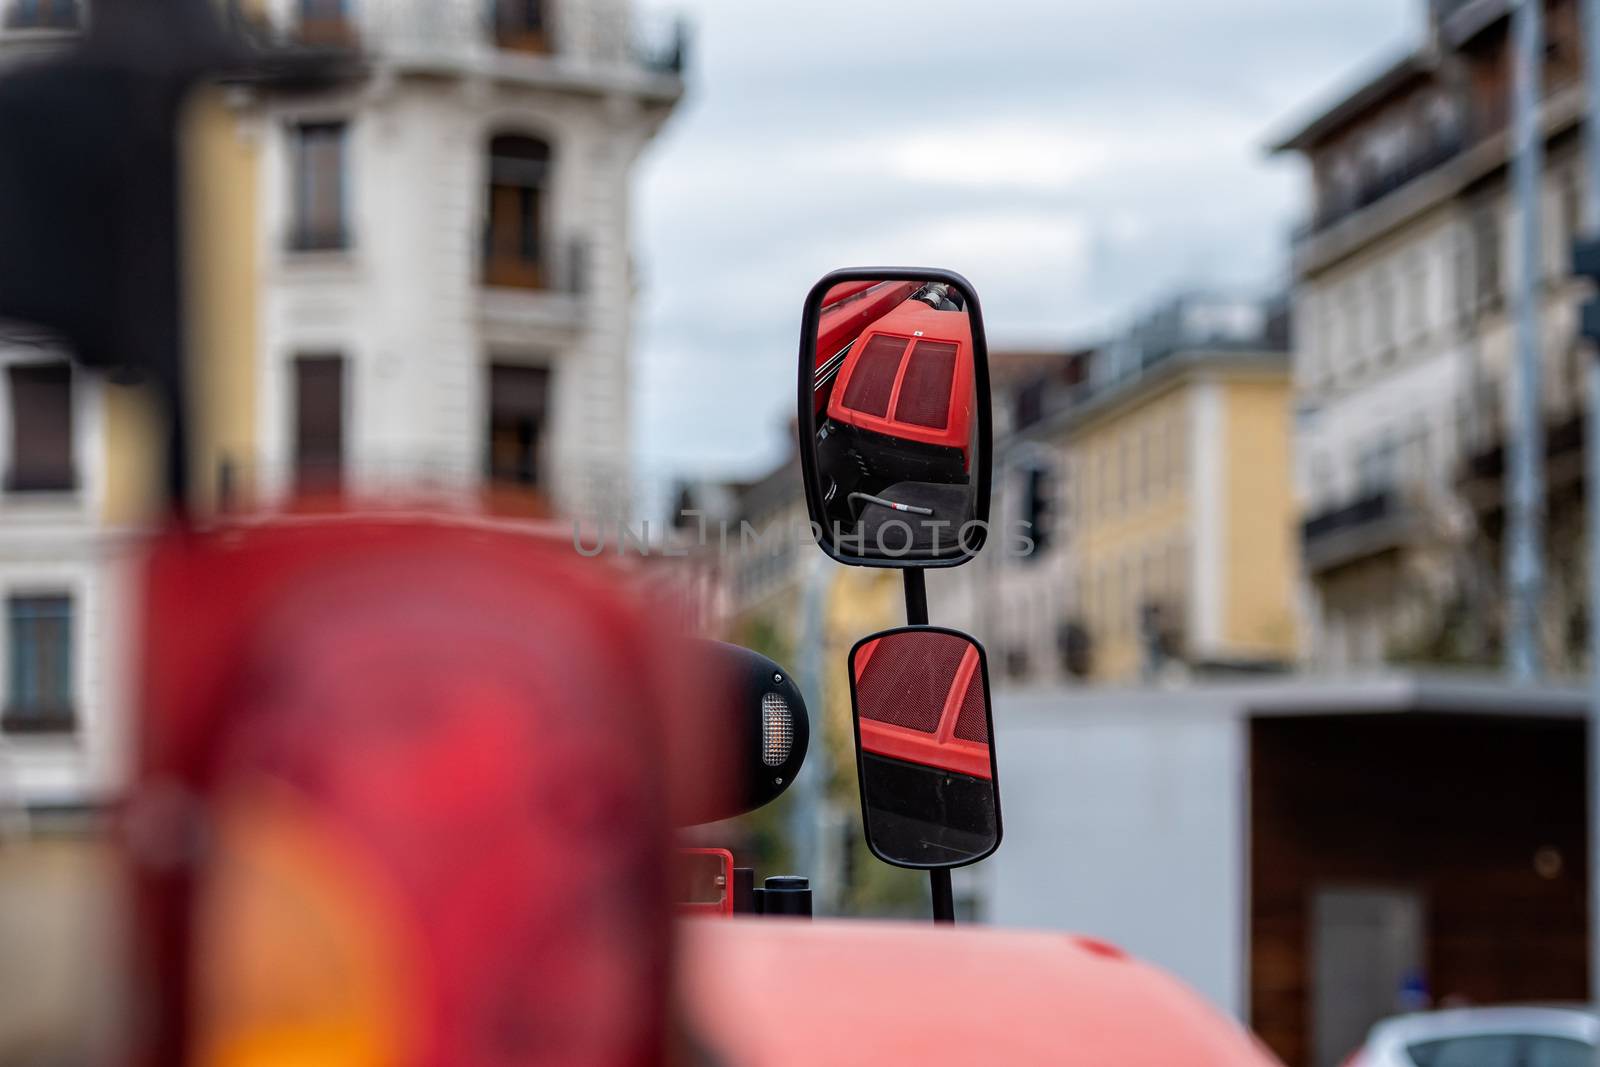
(453, 217)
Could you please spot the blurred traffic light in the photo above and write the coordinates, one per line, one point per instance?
(1038, 505)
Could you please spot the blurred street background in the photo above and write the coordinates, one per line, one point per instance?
(1271, 710)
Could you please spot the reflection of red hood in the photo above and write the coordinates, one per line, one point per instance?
(921, 700)
(910, 376)
(847, 309)
(445, 748)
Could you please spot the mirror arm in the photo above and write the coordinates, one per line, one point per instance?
(916, 596)
(944, 900)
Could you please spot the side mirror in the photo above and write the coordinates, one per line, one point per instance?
(762, 732)
(894, 417)
(930, 796)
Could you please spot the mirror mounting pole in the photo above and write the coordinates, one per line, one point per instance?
(944, 905)
(916, 596)
(944, 901)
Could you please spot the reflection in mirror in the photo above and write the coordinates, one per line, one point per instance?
(929, 796)
(894, 427)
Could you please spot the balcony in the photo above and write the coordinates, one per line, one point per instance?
(33, 28)
(53, 481)
(1418, 163)
(57, 15)
(539, 296)
(596, 45)
(319, 239)
(1377, 523)
(1483, 475)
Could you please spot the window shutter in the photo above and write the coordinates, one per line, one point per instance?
(41, 428)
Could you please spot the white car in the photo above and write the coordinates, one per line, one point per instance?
(1483, 1037)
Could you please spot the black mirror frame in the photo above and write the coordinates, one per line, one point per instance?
(806, 422)
(994, 765)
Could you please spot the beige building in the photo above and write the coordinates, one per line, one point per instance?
(1405, 282)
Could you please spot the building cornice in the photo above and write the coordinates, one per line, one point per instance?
(1180, 369)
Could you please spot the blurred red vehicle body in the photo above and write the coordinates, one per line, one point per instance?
(786, 993)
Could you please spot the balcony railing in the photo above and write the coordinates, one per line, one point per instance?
(318, 239)
(1381, 521)
(559, 268)
(41, 14)
(1365, 194)
(593, 34)
(1369, 509)
(40, 480)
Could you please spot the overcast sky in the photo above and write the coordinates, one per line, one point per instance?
(1076, 159)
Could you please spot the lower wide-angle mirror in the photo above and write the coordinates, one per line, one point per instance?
(893, 420)
(930, 794)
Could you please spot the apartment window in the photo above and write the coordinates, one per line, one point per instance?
(319, 223)
(1125, 608)
(1416, 288)
(319, 422)
(1354, 334)
(1145, 490)
(518, 398)
(1377, 465)
(1383, 319)
(1177, 573)
(41, 428)
(325, 22)
(1177, 444)
(41, 14)
(522, 25)
(38, 664)
(1103, 479)
(1463, 279)
(1571, 220)
(515, 246)
(1486, 239)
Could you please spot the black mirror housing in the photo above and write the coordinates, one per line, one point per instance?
(894, 418)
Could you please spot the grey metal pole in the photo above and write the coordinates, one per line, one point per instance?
(1591, 221)
(807, 844)
(1525, 543)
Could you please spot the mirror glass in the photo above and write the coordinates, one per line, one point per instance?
(893, 426)
(929, 793)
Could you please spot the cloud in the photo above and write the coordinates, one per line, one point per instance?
(1075, 159)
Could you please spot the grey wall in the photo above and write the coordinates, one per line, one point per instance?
(1126, 823)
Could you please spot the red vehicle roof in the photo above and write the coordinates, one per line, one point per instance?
(939, 715)
(768, 992)
(910, 376)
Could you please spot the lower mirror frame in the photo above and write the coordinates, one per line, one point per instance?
(994, 763)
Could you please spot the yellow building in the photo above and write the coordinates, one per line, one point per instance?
(1157, 473)
(1182, 524)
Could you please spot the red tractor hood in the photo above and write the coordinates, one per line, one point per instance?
(780, 992)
